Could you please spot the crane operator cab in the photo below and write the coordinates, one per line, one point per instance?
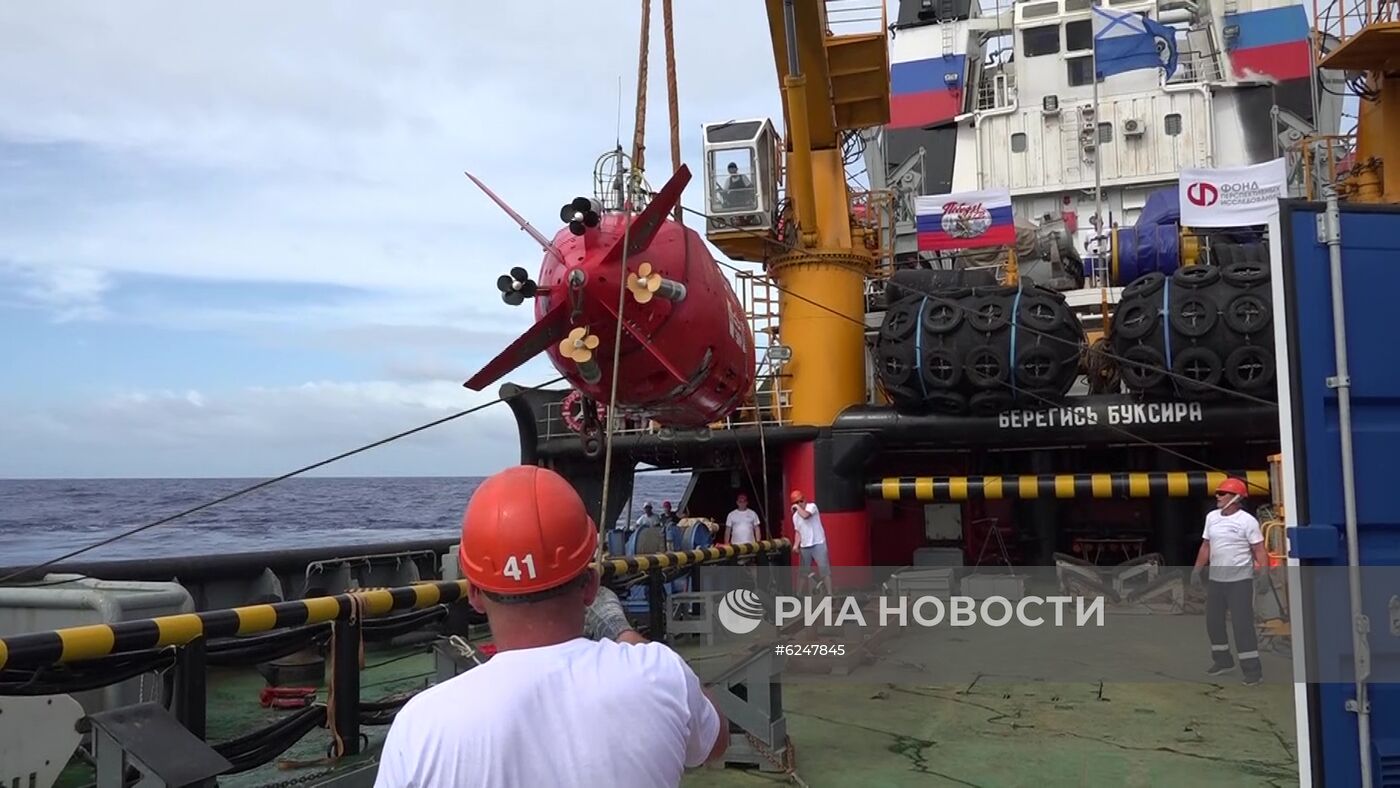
(741, 173)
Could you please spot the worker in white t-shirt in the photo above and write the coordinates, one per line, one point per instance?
(742, 524)
(811, 537)
(1233, 545)
(530, 715)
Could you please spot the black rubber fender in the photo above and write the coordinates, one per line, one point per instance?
(942, 315)
(1197, 369)
(1041, 313)
(1196, 276)
(899, 323)
(989, 313)
(1250, 368)
(1248, 314)
(1245, 274)
(1136, 319)
(1194, 315)
(942, 369)
(1038, 366)
(986, 367)
(1144, 286)
(1142, 368)
(895, 363)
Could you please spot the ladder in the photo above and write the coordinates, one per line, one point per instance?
(760, 301)
(1071, 147)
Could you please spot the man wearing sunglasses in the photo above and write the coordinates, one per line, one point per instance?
(1233, 545)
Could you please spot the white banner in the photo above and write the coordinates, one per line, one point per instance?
(1232, 196)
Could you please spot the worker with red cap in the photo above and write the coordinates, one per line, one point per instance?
(1233, 546)
(811, 537)
(537, 712)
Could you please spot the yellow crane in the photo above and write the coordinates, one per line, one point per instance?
(1367, 44)
(817, 257)
(831, 84)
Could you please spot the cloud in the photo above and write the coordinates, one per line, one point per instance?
(67, 293)
(307, 144)
(261, 431)
(291, 175)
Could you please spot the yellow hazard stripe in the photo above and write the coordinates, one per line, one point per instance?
(178, 630)
(86, 642)
(1135, 484)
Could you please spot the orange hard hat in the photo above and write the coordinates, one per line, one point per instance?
(796, 496)
(525, 530)
(1233, 485)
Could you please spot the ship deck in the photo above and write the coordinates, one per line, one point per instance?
(1188, 731)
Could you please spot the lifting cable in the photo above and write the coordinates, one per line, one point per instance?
(934, 296)
(638, 166)
(635, 183)
(639, 130)
(262, 484)
(1046, 400)
(672, 98)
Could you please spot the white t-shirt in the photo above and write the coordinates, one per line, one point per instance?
(809, 529)
(545, 717)
(743, 525)
(1231, 538)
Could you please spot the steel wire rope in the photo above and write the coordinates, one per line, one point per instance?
(955, 304)
(634, 189)
(611, 421)
(262, 484)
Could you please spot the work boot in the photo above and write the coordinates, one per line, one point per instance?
(1217, 669)
(1252, 670)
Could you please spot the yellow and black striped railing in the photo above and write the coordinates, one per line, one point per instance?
(631, 564)
(1148, 484)
(92, 641)
(99, 640)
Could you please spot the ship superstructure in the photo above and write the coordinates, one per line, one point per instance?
(1003, 97)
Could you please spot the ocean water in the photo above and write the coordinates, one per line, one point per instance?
(41, 519)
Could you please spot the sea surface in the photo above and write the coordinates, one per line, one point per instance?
(41, 519)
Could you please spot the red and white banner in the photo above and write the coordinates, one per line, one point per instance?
(1232, 196)
(965, 220)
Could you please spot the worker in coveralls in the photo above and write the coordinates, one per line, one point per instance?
(544, 710)
(1233, 545)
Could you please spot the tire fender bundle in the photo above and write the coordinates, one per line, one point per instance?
(1210, 325)
(977, 350)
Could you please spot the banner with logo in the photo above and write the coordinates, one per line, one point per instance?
(965, 220)
(1232, 196)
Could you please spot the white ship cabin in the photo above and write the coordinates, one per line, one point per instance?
(1004, 98)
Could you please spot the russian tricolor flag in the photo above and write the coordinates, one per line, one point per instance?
(925, 92)
(1271, 43)
(965, 220)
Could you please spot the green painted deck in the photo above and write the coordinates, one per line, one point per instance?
(1186, 733)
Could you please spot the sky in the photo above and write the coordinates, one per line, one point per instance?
(237, 238)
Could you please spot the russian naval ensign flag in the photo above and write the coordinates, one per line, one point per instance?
(965, 220)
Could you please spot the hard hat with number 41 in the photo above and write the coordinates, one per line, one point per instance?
(525, 530)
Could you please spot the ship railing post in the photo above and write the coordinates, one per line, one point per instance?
(191, 700)
(656, 604)
(345, 690)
